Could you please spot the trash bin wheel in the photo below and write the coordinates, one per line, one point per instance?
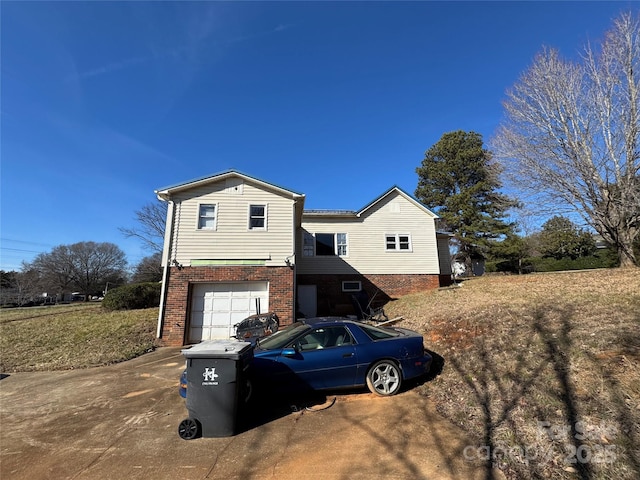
(189, 429)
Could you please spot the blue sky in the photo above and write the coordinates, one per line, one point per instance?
(104, 102)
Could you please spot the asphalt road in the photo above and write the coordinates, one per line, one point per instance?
(120, 422)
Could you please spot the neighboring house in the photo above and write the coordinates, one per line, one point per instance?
(236, 245)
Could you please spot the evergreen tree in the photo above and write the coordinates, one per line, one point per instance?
(459, 182)
(561, 238)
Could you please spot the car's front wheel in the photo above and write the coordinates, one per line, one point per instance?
(384, 378)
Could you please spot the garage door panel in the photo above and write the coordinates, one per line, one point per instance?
(220, 304)
(241, 304)
(217, 307)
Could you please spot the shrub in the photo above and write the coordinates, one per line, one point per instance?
(509, 266)
(133, 296)
(602, 259)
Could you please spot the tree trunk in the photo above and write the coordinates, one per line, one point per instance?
(626, 256)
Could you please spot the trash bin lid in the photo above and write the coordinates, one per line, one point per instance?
(217, 348)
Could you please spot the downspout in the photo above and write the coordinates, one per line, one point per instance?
(165, 260)
(165, 271)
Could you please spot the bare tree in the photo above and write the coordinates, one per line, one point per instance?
(85, 266)
(571, 135)
(28, 286)
(149, 269)
(56, 271)
(151, 219)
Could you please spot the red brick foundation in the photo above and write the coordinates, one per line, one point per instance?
(333, 301)
(177, 300)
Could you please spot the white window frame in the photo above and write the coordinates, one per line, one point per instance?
(340, 246)
(264, 217)
(397, 243)
(336, 246)
(357, 289)
(201, 217)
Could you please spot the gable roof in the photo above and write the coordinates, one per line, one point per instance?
(165, 193)
(370, 205)
(402, 193)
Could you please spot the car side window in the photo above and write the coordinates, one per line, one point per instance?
(337, 337)
(324, 338)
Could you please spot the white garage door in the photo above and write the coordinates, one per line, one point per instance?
(217, 307)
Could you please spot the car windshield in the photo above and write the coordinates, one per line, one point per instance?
(282, 337)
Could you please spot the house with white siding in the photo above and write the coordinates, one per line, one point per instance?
(236, 245)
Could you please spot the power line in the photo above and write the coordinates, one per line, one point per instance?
(13, 240)
(20, 250)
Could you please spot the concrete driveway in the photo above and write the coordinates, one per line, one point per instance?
(121, 422)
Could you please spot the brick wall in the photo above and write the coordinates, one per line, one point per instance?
(180, 280)
(333, 301)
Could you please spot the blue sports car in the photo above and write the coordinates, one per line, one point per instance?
(331, 353)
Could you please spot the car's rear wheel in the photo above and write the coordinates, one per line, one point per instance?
(384, 378)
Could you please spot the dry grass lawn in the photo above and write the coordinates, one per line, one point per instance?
(63, 337)
(543, 370)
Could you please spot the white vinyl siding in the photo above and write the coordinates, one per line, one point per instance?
(394, 214)
(230, 240)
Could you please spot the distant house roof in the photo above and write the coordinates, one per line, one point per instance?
(165, 192)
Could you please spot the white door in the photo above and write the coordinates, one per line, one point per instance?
(308, 300)
(217, 307)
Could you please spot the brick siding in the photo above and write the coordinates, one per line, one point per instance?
(333, 301)
(180, 280)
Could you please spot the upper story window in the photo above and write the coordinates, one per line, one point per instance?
(331, 244)
(207, 217)
(398, 242)
(257, 217)
(341, 244)
(308, 245)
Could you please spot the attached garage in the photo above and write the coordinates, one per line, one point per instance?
(217, 307)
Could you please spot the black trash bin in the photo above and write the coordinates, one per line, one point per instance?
(216, 387)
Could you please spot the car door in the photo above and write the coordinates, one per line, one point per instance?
(324, 358)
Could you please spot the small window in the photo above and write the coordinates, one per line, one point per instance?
(308, 245)
(398, 242)
(351, 286)
(257, 217)
(341, 244)
(207, 217)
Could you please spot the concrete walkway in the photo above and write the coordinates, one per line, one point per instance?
(120, 422)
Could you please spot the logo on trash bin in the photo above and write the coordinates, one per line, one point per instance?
(210, 376)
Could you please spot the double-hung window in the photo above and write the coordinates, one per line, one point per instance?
(207, 217)
(257, 217)
(396, 242)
